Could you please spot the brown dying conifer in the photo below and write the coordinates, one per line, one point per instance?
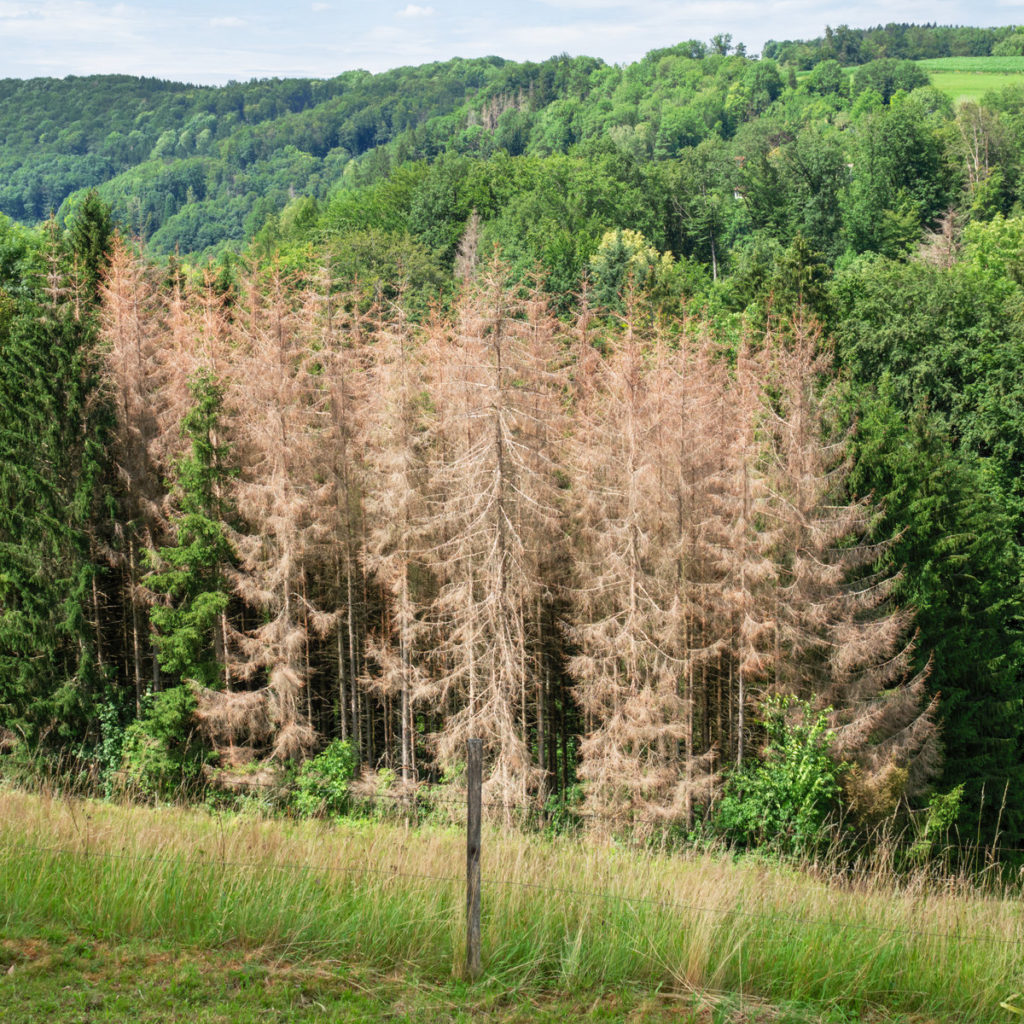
(281, 423)
(397, 438)
(498, 386)
(839, 640)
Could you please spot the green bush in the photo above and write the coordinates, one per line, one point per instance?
(322, 787)
(560, 810)
(781, 801)
(111, 745)
(161, 754)
(940, 819)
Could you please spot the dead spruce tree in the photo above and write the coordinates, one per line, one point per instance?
(131, 325)
(628, 667)
(838, 641)
(719, 561)
(342, 336)
(196, 340)
(749, 544)
(496, 505)
(280, 424)
(696, 428)
(396, 438)
(638, 482)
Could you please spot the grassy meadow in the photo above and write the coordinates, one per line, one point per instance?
(88, 887)
(970, 78)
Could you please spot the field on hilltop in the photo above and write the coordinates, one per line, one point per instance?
(970, 78)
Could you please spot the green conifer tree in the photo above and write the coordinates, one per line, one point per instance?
(90, 233)
(52, 499)
(189, 574)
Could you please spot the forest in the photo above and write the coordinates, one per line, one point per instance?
(661, 424)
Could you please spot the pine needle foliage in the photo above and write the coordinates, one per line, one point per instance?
(54, 428)
(190, 574)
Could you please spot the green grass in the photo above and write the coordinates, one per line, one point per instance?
(565, 924)
(74, 981)
(986, 65)
(970, 78)
(973, 85)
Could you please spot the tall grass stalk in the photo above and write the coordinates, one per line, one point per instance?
(556, 913)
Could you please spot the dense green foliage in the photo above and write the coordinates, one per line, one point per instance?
(162, 755)
(190, 573)
(935, 358)
(903, 41)
(780, 800)
(193, 166)
(52, 462)
(201, 168)
(322, 785)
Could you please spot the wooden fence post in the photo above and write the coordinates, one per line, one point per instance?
(474, 782)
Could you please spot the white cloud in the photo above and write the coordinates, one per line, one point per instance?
(58, 25)
(415, 11)
(226, 22)
(320, 7)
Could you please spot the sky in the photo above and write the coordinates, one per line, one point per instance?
(214, 41)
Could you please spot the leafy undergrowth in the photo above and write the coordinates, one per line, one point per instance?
(134, 908)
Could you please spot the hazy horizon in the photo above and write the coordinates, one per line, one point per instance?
(188, 41)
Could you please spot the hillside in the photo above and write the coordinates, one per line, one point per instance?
(221, 152)
(198, 169)
(663, 423)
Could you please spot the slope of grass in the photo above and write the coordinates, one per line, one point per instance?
(972, 85)
(559, 916)
(969, 78)
(986, 65)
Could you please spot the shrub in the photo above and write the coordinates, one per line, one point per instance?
(781, 801)
(939, 820)
(560, 810)
(322, 787)
(162, 754)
